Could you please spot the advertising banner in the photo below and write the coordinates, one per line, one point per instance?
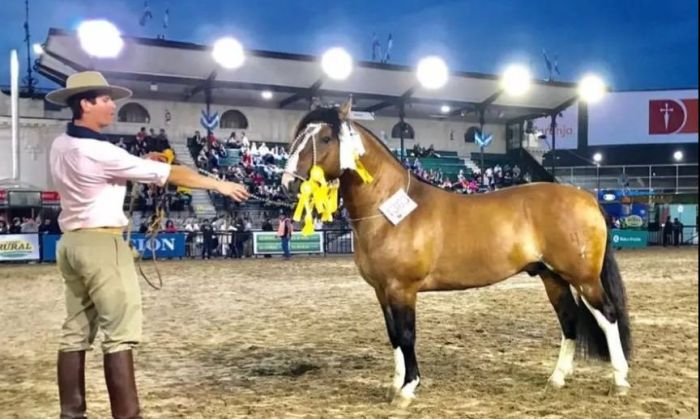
(267, 243)
(48, 247)
(566, 130)
(653, 117)
(629, 238)
(15, 247)
(166, 245)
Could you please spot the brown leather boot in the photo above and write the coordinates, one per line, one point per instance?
(71, 384)
(121, 385)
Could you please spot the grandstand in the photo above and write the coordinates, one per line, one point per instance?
(174, 98)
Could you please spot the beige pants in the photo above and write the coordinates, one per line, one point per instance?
(102, 290)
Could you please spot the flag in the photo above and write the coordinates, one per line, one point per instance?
(166, 19)
(376, 48)
(389, 45)
(547, 63)
(146, 15)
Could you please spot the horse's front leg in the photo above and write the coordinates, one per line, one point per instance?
(398, 308)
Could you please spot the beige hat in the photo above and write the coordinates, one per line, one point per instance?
(84, 82)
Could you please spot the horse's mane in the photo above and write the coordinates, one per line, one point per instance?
(321, 114)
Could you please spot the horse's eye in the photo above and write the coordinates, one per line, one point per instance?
(326, 139)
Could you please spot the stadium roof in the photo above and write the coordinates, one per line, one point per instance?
(179, 71)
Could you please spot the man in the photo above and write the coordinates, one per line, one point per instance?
(284, 232)
(267, 226)
(207, 239)
(677, 232)
(667, 232)
(101, 285)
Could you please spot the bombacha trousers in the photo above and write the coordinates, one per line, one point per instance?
(101, 291)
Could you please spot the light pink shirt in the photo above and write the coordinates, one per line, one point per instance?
(90, 176)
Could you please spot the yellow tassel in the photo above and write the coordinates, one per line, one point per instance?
(362, 171)
(316, 174)
(320, 198)
(308, 221)
(306, 190)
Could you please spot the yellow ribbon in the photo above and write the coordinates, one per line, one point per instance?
(318, 195)
(362, 170)
(304, 196)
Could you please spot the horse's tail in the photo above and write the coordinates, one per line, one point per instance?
(590, 339)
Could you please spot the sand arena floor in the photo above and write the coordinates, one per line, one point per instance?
(267, 338)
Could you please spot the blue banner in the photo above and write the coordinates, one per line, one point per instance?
(166, 245)
(48, 247)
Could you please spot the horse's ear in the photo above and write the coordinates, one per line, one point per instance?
(345, 109)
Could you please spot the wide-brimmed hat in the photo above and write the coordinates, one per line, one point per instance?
(84, 82)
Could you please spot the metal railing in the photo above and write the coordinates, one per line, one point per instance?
(235, 244)
(665, 178)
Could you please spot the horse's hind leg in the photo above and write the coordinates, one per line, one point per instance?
(615, 327)
(565, 306)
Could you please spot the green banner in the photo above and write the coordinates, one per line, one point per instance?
(629, 238)
(267, 243)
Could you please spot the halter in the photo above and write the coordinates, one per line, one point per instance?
(351, 149)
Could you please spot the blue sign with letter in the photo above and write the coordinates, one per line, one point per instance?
(166, 245)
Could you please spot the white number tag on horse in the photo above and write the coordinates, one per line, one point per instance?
(398, 206)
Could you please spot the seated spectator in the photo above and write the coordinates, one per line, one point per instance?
(170, 227)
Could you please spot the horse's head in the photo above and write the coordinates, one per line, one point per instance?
(316, 143)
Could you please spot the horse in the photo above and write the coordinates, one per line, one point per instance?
(556, 231)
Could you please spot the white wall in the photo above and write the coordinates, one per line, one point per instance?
(38, 128)
(277, 125)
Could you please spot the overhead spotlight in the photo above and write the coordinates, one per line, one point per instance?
(678, 155)
(516, 80)
(591, 88)
(432, 72)
(38, 50)
(266, 94)
(100, 38)
(228, 52)
(597, 157)
(337, 63)
(445, 109)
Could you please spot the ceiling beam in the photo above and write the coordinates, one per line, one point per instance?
(51, 74)
(305, 94)
(390, 102)
(200, 87)
(564, 105)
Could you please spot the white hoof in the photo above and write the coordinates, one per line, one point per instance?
(620, 389)
(558, 378)
(402, 402)
(406, 394)
(556, 381)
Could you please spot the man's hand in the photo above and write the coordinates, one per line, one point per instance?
(234, 190)
(156, 156)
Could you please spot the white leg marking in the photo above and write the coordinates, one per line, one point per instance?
(407, 394)
(399, 370)
(612, 335)
(409, 390)
(565, 363)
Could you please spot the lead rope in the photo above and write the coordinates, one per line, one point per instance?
(151, 234)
